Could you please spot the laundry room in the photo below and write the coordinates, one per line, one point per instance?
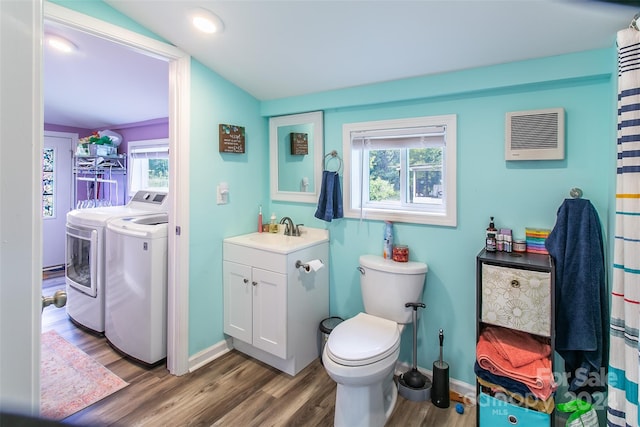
(106, 158)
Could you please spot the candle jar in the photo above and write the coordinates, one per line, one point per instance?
(401, 253)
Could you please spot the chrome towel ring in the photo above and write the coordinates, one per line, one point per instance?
(332, 155)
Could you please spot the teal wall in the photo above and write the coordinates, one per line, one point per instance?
(517, 194)
(214, 101)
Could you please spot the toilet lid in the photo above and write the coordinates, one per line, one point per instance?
(363, 339)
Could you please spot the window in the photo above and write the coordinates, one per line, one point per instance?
(401, 170)
(148, 165)
(48, 182)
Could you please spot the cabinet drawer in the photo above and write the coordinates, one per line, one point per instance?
(517, 298)
(498, 413)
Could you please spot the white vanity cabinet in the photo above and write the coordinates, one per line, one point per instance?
(272, 309)
(255, 307)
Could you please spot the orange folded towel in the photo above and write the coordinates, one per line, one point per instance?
(519, 348)
(537, 375)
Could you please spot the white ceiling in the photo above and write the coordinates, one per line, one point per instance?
(275, 49)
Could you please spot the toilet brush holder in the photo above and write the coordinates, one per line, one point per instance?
(413, 384)
(440, 395)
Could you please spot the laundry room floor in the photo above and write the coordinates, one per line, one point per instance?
(230, 391)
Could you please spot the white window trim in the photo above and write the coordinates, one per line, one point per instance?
(449, 218)
(141, 144)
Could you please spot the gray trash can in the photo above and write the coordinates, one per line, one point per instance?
(326, 326)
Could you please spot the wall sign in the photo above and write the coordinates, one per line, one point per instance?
(299, 143)
(231, 139)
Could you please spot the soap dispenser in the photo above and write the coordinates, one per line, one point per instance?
(273, 227)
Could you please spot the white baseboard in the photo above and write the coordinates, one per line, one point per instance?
(205, 356)
(468, 391)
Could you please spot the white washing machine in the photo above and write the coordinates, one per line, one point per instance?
(136, 291)
(85, 252)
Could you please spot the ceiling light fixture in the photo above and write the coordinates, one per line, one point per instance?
(207, 21)
(60, 43)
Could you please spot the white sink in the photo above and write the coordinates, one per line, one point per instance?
(278, 242)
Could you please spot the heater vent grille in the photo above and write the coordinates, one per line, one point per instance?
(535, 135)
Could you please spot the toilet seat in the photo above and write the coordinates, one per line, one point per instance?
(362, 340)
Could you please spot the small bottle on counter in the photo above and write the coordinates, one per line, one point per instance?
(506, 237)
(273, 227)
(492, 232)
(508, 244)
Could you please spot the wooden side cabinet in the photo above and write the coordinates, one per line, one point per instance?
(514, 303)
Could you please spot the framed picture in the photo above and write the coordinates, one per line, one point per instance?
(299, 143)
(232, 139)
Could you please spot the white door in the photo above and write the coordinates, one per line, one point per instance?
(56, 194)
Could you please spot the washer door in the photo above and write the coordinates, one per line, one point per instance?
(82, 259)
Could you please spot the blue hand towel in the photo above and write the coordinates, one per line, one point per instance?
(330, 200)
(575, 243)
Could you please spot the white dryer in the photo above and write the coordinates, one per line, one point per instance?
(85, 252)
(136, 291)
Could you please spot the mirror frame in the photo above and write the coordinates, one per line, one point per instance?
(315, 118)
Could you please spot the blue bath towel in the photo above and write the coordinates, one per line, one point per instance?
(510, 384)
(330, 201)
(582, 304)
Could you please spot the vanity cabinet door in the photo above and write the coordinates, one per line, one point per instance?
(270, 312)
(238, 304)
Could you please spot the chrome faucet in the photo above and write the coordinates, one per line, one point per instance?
(289, 228)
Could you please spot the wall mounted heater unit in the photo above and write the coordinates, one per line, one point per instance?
(535, 135)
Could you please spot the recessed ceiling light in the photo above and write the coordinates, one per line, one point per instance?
(60, 43)
(207, 21)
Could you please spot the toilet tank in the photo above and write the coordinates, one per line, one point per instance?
(387, 285)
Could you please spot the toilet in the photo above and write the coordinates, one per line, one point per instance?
(361, 352)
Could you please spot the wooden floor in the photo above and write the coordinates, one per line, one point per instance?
(233, 390)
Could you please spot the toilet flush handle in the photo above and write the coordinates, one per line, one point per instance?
(361, 270)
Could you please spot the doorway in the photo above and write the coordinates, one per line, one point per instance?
(21, 227)
(178, 118)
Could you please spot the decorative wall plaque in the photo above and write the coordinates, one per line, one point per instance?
(299, 143)
(231, 139)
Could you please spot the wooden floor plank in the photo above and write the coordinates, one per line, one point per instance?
(233, 390)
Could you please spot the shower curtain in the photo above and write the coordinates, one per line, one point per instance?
(625, 300)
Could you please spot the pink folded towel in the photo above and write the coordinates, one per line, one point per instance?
(517, 347)
(537, 375)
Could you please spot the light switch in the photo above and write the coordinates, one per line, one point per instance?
(223, 193)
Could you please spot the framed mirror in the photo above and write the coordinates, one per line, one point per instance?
(296, 143)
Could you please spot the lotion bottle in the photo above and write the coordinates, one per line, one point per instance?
(387, 247)
(260, 220)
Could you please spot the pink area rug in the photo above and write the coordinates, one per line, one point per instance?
(70, 380)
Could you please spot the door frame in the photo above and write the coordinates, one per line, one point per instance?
(179, 123)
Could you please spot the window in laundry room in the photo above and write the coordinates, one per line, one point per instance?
(148, 165)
